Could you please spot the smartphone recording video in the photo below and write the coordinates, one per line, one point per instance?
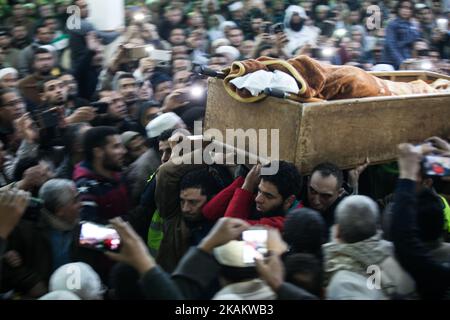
(436, 166)
(255, 245)
(99, 237)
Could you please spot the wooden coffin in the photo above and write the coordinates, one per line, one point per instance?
(341, 131)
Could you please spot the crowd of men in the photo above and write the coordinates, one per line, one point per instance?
(88, 127)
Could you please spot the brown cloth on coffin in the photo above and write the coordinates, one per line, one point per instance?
(321, 81)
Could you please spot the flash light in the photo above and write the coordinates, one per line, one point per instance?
(340, 32)
(197, 91)
(426, 65)
(139, 17)
(327, 52)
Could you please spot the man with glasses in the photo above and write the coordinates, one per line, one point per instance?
(401, 34)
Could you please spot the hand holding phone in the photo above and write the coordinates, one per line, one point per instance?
(99, 237)
(436, 166)
(255, 245)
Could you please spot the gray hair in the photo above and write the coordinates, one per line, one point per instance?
(357, 217)
(56, 193)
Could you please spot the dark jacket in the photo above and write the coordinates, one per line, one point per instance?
(432, 278)
(175, 242)
(32, 240)
(86, 75)
(329, 215)
(77, 41)
(102, 198)
(2, 250)
(65, 169)
(400, 36)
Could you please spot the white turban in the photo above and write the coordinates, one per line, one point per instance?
(230, 51)
(162, 123)
(6, 71)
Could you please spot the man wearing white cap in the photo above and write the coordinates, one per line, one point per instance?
(237, 11)
(231, 53)
(297, 32)
(162, 123)
(8, 78)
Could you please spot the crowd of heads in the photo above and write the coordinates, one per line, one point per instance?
(89, 121)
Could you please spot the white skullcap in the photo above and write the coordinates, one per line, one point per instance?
(162, 123)
(60, 295)
(6, 71)
(232, 52)
(382, 67)
(78, 278)
(236, 6)
(297, 9)
(231, 254)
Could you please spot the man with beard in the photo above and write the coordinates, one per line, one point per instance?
(325, 191)
(297, 30)
(99, 179)
(276, 195)
(126, 85)
(43, 64)
(196, 188)
(44, 36)
(55, 95)
(20, 39)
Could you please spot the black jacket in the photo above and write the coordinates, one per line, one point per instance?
(432, 278)
(86, 75)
